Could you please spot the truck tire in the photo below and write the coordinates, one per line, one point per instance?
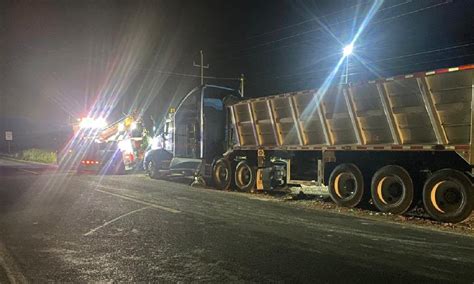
(120, 169)
(153, 170)
(245, 176)
(448, 196)
(346, 185)
(392, 189)
(222, 174)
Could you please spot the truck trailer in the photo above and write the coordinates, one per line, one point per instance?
(399, 141)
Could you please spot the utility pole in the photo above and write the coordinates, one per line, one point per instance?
(202, 67)
(242, 79)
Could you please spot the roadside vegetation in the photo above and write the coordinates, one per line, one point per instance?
(38, 155)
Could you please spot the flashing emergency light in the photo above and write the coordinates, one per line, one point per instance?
(89, 122)
(121, 127)
(125, 146)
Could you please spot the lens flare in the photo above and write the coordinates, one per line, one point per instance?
(348, 49)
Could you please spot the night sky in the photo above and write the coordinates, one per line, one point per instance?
(57, 57)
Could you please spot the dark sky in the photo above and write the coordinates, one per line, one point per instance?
(56, 56)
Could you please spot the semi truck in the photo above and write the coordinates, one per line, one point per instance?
(399, 141)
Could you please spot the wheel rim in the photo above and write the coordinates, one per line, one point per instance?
(222, 173)
(244, 176)
(447, 196)
(390, 190)
(345, 185)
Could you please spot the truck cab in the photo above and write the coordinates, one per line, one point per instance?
(194, 135)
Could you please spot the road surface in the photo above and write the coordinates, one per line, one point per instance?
(10, 166)
(63, 227)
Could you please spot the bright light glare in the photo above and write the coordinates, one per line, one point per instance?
(88, 122)
(121, 127)
(348, 49)
(133, 126)
(125, 146)
(101, 123)
(156, 142)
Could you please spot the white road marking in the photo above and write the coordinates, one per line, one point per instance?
(171, 210)
(28, 171)
(115, 220)
(13, 272)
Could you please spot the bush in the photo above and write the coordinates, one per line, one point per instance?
(38, 155)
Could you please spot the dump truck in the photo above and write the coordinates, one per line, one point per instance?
(399, 141)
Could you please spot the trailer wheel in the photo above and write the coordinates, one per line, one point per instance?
(245, 176)
(222, 174)
(392, 189)
(448, 196)
(346, 185)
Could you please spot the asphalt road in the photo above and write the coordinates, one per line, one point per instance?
(63, 227)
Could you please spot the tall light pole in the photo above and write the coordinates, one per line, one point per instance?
(202, 67)
(346, 52)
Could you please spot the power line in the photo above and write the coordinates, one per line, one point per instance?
(308, 66)
(321, 28)
(420, 63)
(303, 81)
(192, 75)
(425, 52)
(393, 68)
(302, 22)
(318, 29)
(284, 76)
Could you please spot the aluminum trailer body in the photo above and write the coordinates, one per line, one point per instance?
(395, 140)
(427, 111)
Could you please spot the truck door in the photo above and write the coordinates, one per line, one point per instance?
(214, 127)
(216, 124)
(187, 127)
(200, 129)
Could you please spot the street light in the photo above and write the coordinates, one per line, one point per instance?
(348, 49)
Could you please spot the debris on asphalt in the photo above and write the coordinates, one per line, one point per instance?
(416, 217)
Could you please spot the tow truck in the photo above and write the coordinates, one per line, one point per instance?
(98, 147)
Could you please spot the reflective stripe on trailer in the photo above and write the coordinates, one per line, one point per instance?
(423, 74)
(362, 148)
(419, 74)
(406, 76)
(452, 69)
